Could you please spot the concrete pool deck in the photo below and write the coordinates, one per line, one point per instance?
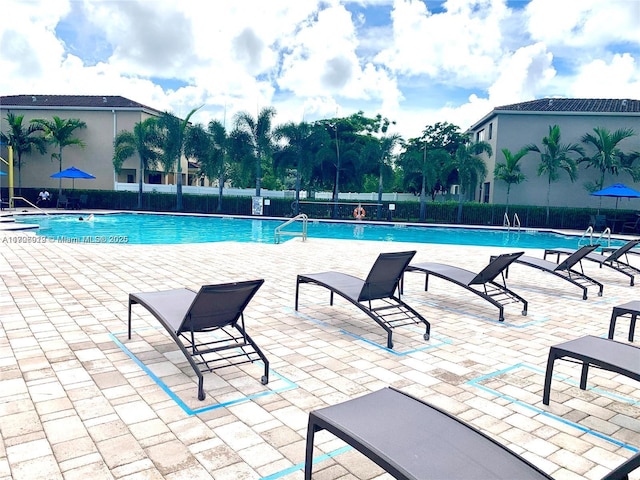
(78, 400)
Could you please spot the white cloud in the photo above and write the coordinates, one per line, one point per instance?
(619, 78)
(317, 59)
(585, 23)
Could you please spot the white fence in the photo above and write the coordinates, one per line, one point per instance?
(250, 192)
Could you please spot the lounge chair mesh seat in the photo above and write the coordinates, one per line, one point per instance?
(616, 260)
(566, 270)
(412, 439)
(376, 295)
(214, 312)
(482, 283)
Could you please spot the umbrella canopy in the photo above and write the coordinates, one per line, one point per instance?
(2, 173)
(72, 172)
(618, 191)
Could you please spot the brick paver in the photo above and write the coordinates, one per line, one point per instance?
(74, 404)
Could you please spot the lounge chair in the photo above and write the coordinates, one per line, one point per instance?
(412, 439)
(495, 293)
(613, 260)
(63, 201)
(376, 296)
(600, 352)
(565, 269)
(215, 309)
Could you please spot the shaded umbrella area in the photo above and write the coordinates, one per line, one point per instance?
(73, 173)
(618, 190)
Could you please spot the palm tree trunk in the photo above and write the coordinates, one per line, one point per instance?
(140, 183)
(423, 199)
(220, 188)
(379, 212)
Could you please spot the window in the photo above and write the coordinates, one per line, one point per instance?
(490, 130)
(480, 136)
(486, 190)
(155, 178)
(130, 178)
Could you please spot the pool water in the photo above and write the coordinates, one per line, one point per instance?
(171, 229)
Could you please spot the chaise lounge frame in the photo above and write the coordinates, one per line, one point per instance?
(614, 260)
(498, 294)
(593, 351)
(565, 269)
(412, 439)
(378, 295)
(214, 308)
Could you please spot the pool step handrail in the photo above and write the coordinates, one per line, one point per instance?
(588, 233)
(13, 199)
(507, 223)
(279, 232)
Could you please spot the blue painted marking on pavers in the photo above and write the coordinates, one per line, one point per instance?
(475, 382)
(441, 341)
(300, 466)
(289, 385)
(538, 321)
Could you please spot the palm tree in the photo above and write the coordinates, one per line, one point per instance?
(59, 132)
(608, 157)
(145, 141)
(210, 147)
(296, 145)
(257, 133)
(554, 158)
(174, 134)
(382, 154)
(509, 171)
(470, 167)
(22, 140)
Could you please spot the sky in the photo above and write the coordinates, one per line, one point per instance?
(415, 62)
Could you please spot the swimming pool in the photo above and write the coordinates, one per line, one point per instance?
(151, 229)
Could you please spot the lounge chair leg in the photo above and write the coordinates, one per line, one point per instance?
(201, 394)
(547, 377)
(308, 459)
(583, 375)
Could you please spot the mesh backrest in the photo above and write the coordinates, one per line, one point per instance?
(577, 256)
(616, 254)
(220, 305)
(385, 275)
(495, 268)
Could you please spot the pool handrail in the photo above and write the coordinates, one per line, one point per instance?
(589, 232)
(13, 199)
(278, 232)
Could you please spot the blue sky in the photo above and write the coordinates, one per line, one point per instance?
(416, 62)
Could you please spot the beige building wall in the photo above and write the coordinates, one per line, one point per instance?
(514, 130)
(97, 156)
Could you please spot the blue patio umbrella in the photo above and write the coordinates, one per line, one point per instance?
(618, 191)
(73, 173)
(2, 173)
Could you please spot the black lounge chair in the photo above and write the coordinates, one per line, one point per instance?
(565, 269)
(215, 308)
(495, 293)
(376, 295)
(599, 352)
(613, 260)
(412, 439)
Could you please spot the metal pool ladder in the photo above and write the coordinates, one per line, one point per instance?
(588, 234)
(279, 232)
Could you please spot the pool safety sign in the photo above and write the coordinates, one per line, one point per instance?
(256, 206)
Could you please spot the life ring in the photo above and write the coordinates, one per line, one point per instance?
(359, 213)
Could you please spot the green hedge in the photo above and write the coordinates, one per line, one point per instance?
(436, 212)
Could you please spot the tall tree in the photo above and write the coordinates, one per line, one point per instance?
(607, 156)
(257, 133)
(555, 157)
(210, 147)
(296, 145)
(59, 132)
(509, 171)
(145, 140)
(174, 134)
(22, 140)
(470, 167)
